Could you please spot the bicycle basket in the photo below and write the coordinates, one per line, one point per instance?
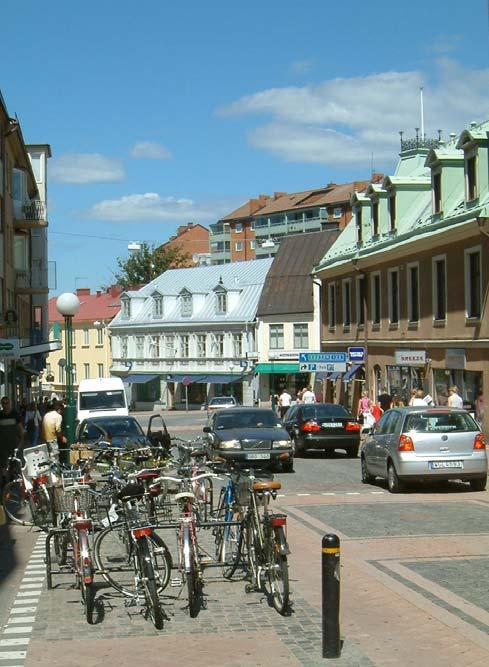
(241, 489)
(64, 499)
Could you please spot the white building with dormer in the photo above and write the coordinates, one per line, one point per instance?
(189, 335)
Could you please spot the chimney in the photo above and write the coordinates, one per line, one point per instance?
(83, 291)
(181, 230)
(99, 293)
(115, 290)
(377, 177)
(277, 195)
(190, 225)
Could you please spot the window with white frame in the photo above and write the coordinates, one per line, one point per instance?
(100, 337)
(186, 304)
(238, 227)
(276, 334)
(61, 374)
(184, 345)
(100, 370)
(346, 302)
(123, 347)
(74, 337)
(221, 302)
(155, 347)
(157, 307)
(337, 212)
(252, 245)
(471, 176)
(473, 283)
(436, 190)
(375, 297)
(375, 218)
(301, 336)
(140, 347)
(439, 274)
(219, 345)
(170, 345)
(86, 337)
(358, 224)
(331, 305)
(86, 371)
(201, 345)
(73, 373)
(361, 284)
(413, 292)
(392, 212)
(237, 345)
(36, 162)
(393, 292)
(126, 307)
(238, 246)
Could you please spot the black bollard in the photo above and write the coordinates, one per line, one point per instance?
(330, 570)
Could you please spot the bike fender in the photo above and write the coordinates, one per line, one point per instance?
(283, 545)
(186, 549)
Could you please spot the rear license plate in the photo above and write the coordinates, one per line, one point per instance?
(332, 425)
(258, 455)
(436, 465)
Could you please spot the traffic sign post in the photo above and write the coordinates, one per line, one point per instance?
(328, 362)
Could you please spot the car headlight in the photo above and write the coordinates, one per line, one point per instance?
(230, 444)
(276, 444)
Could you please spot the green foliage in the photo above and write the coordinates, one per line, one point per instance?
(148, 263)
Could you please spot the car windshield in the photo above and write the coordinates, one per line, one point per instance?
(222, 401)
(319, 411)
(439, 422)
(247, 419)
(101, 400)
(116, 428)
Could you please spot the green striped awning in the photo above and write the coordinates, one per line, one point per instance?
(277, 367)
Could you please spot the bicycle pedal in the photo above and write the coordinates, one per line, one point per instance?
(176, 581)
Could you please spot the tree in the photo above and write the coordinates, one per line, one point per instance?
(148, 263)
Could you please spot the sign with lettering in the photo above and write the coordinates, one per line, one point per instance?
(410, 357)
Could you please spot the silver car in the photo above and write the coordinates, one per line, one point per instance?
(422, 444)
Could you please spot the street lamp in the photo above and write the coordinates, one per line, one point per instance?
(68, 305)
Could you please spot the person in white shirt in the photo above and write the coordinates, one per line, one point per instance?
(454, 398)
(284, 401)
(418, 398)
(308, 395)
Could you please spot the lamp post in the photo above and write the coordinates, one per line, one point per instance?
(68, 305)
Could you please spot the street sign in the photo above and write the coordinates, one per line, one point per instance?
(186, 381)
(322, 358)
(9, 348)
(323, 367)
(356, 355)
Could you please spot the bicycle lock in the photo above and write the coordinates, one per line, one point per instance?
(330, 571)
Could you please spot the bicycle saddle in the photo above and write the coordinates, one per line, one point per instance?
(267, 485)
(147, 474)
(133, 489)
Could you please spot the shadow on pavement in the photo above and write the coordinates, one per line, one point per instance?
(8, 558)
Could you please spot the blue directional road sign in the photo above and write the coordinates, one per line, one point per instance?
(330, 362)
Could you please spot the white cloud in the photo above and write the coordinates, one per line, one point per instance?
(150, 206)
(83, 168)
(344, 120)
(150, 150)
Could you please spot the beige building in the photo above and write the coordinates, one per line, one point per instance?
(92, 357)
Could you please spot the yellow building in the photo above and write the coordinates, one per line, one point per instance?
(92, 357)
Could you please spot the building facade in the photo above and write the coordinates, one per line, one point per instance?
(91, 352)
(24, 267)
(407, 279)
(190, 335)
(192, 240)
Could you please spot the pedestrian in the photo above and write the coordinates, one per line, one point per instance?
(32, 423)
(412, 396)
(363, 406)
(385, 399)
(454, 398)
(479, 407)
(11, 433)
(418, 398)
(397, 402)
(377, 411)
(284, 401)
(52, 429)
(308, 396)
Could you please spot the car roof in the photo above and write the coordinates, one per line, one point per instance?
(112, 418)
(244, 408)
(427, 408)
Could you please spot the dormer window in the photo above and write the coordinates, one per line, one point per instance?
(436, 185)
(358, 222)
(221, 302)
(471, 177)
(392, 212)
(375, 218)
(126, 308)
(157, 306)
(186, 304)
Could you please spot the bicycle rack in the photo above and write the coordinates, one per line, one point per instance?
(48, 560)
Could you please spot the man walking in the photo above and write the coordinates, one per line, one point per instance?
(52, 428)
(308, 396)
(385, 400)
(284, 401)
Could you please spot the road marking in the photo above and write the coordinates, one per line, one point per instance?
(21, 619)
(328, 494)
(13, 655)
(353, 493)
(27, 594)
(17, 631)
(23, 610)
(37, 584)
(377, 492)
(16, 641)
(26, 601)
(303, 494)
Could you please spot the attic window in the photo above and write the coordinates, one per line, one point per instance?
(157, 307)
(375, 218)
(186, 305)
(221, 302)
(126, 307)
(436, 184)
(358, 222)
(392, 212)
(471, 177)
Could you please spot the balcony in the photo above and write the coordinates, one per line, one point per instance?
(219, 235)
(32, 216)
(220, 256)
(34, 281)
(289, 227)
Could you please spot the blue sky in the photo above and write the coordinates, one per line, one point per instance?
(161, 113)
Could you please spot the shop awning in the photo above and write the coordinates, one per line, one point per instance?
(224, 378)
(334, 376)
(139, 378)
(350, 373)
(277, 368)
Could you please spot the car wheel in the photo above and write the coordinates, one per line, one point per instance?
(394, 484)
(367, 478)
(352, 452)
(297, 449)
(478, 484)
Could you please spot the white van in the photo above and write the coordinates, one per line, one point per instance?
(100, 397)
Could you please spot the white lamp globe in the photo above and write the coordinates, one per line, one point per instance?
(68, 304)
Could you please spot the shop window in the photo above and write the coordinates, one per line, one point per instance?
(332, 305)
(413, 292)
(346, 302)
(276, 336)
(439, 288)
(473, 283)
(301, 336)
(375, 287)
(394, 296)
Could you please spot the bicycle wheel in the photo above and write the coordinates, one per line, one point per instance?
(278, 577)
(234, 555)
(41, 508)
(113, 551)
(84, 573)
(192, 575)
(16, 503)
(147, 574)
(253, 551)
